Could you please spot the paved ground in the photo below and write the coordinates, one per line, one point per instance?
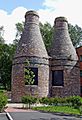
(10, 109)
(3, 116)
(39, 116)
(17, 113)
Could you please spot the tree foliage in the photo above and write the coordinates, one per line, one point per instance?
(47, 33)
(75, 34)
(1, 35)
(6, 55)
(19, 30)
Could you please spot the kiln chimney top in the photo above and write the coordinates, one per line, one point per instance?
(61, 19)
(31, 12)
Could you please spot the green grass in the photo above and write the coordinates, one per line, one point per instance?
(61, 109)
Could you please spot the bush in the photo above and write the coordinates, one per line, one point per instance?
(62, 101)
(3, 101)
(44, 100)
(57, 101)
(29, 100)
(49, 101)
(80, 110)
(76, 101)
(54, 101)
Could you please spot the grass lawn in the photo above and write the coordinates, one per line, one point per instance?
(61, 109)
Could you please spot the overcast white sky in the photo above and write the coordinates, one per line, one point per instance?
(48, 10)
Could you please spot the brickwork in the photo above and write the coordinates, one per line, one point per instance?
(64, 58)
(79, 53)
(30, 47)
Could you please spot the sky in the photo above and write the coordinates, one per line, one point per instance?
(13, 11)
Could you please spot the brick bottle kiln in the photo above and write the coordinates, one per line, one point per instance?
(30, 47)
(64, 71)
(62, 78)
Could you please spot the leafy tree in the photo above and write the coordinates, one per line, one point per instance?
(75, 34)
(1, 35)
(19, 29)
(6, 55)
(46, 31)
(5, 61)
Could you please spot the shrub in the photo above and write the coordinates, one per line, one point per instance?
(3, 101)
(54, 101)
(80, 110)
(51, 101)
(68, 101)
(62, 101)
(44, 100)
(29, 100)
(74, 101)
